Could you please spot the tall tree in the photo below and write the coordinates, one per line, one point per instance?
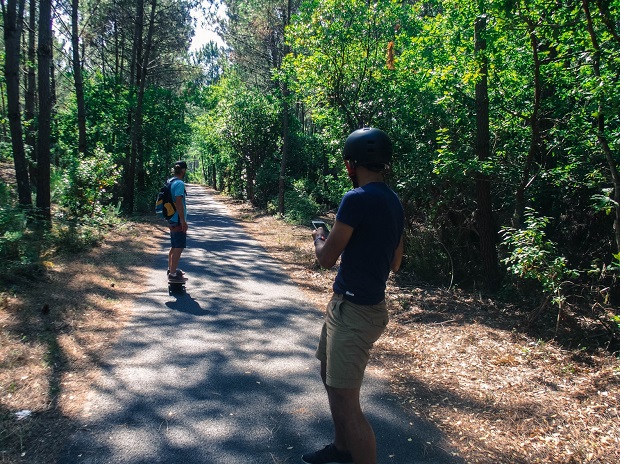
(13, 14)
(484, 213)
(137, 142)
(134, 80)
(256, 34)
(45, 108)
(340, 58)
(30, 95)
(77, 76)
(286, 117)
(602, 110)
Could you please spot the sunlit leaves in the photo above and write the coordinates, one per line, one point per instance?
(339, 57)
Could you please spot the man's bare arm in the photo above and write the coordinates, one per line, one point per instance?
(328, 251)
(178, 203)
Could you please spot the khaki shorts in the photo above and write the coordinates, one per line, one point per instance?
(348, 333)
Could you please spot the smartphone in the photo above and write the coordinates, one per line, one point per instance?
(317, 224)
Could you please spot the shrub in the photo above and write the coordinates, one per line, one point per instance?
(86, 186)
(532, 256)
(299, 206)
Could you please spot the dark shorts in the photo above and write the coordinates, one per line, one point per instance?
(348, 334)
(178, 238)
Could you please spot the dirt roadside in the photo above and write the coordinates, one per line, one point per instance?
(498, 392)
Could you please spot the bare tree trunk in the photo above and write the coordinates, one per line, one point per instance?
(31, 92)
(600, 124)
(13, 20)
(45, 107)
(117, 57)
(250, 187)
(136, 69)
(77, 76)
(137, 142)
(285, 148)
(5, 136)
(53, 94)
(285, 126)
(484, 214)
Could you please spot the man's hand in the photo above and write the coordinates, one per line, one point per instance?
(316, 233)
(328, 251)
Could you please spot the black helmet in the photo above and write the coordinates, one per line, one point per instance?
(368, 146)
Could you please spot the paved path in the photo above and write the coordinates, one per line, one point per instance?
(226, 373)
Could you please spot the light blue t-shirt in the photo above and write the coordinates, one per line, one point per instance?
(177, 189)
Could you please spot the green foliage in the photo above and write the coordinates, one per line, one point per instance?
(87, 184)
(300, 207)
(604, 203)
(339, 64)
(238, 134)
(12, 222)
(79, 234)
(166, 133)
(532, 256)
(267, 182)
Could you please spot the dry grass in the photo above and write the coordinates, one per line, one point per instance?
(54, 331)
(498, 391)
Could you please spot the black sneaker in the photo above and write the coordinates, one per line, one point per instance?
(328, 455)
(176, 279)
(179, 272)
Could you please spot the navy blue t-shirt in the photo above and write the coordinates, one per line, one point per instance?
(376, 215)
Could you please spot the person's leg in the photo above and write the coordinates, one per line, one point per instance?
(352, 430)
(175, 257)
(178, 240)
(340, 441)
(350, 332)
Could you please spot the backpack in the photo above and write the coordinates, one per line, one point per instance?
(164, 206)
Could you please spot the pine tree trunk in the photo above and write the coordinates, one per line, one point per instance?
(137, 142)
(285, 149)
(45, 108)
(77, 76)
(285, 125)
(31, 93)
(13, 20)
(135, 70)
(484, 214)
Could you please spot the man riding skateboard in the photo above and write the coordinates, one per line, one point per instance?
(177, 224)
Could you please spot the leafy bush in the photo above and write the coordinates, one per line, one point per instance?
(532, 256)
(87, 184)
(299, 206)
(12, 222)
(427, 256)
(267, 182)
(79, 234)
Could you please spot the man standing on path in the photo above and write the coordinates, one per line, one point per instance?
(368, 235)
(177, 223)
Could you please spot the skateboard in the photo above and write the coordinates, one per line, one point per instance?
(176, 287)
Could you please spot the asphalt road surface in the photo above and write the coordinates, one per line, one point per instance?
(226, 372)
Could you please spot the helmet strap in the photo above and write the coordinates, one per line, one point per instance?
(351, 171)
